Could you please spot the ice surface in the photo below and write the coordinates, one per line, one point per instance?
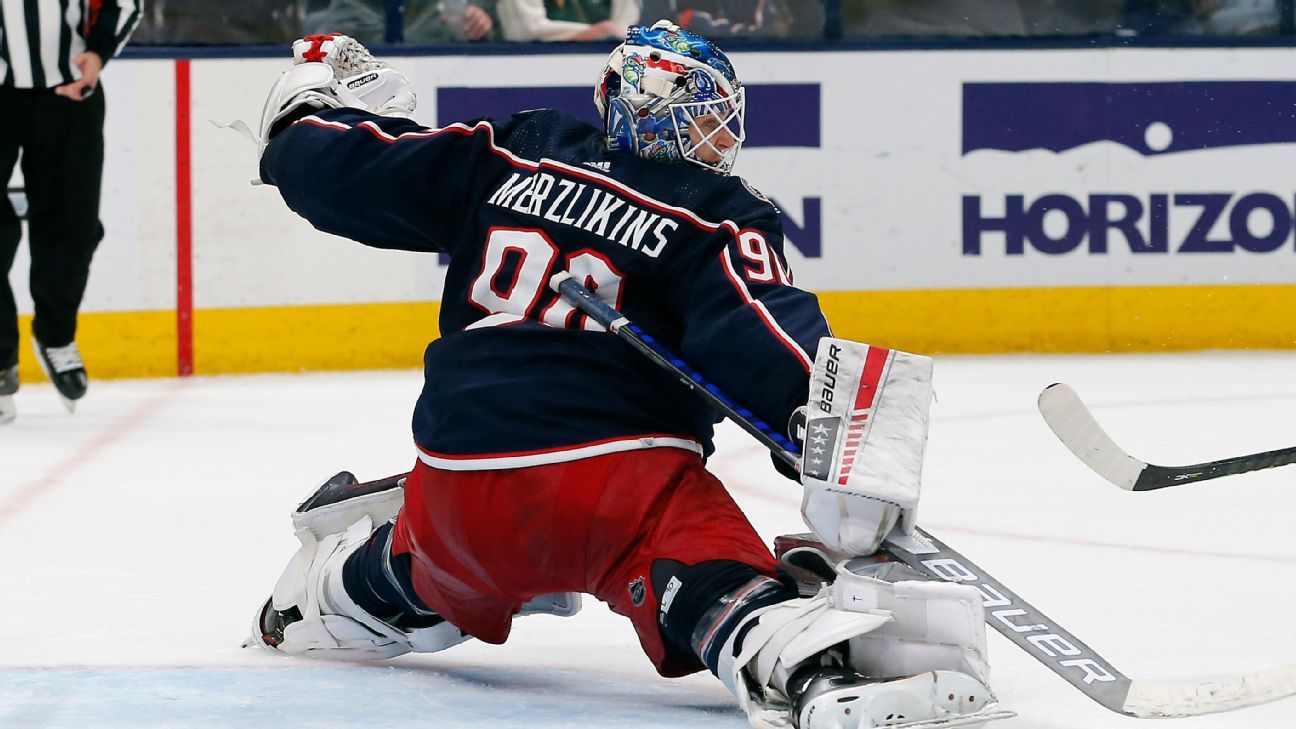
(138, 535)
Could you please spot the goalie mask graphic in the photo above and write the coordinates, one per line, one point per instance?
(671, 95)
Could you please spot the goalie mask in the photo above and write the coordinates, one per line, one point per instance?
(671, 95)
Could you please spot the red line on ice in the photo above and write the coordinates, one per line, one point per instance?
(58, 475)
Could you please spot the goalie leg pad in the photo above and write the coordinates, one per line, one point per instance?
(866, 434)
(933, 626)
(324, 620)
(341, 501)
(890, 629)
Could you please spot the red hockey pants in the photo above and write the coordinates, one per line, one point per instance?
(484, 542)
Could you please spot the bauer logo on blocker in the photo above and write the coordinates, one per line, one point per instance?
(362, 80)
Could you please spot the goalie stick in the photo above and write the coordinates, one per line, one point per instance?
(585, 300)
(1076, 427)
(1014, 618)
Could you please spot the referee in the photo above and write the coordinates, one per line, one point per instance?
(52, 110)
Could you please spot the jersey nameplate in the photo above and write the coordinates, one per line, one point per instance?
(587, 207)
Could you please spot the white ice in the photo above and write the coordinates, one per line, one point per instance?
(138, 535)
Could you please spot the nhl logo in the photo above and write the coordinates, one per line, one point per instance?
(637, 591)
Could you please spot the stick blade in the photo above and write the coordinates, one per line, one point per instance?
(1170, 699)
(1075, 426)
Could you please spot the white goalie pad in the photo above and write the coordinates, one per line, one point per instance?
(892, 629)
(332, 625)
(380, 507)
(866, 434)
(934, 626)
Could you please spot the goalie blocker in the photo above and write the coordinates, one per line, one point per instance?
(865, 434)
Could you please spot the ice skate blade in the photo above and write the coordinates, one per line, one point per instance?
(68, 404)
(253, 644)
(7, 410)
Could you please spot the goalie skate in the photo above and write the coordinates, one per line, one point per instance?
(842, 699)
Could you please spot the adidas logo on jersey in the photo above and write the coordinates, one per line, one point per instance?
(758, 194)
(603, 166)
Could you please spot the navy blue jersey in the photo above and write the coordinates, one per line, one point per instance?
(518, 376)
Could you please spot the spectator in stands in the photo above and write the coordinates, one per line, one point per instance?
(981, 18)
(423, 21)
(1238, 17)
(566, 20)
(203, 22)
(717, 18)
(450, 20)
(1209, 17)
(1159, 17)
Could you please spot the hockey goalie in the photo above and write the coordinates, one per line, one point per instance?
(554, 461)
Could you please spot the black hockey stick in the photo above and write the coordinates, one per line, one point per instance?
(1014, 618)
(1076, 427)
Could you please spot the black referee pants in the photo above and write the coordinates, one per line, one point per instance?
(62, 165)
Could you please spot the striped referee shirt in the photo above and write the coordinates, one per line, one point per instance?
(38, 38)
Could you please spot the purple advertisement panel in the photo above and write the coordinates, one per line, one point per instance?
(1149, 118)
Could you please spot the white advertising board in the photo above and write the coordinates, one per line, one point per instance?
(896, 171)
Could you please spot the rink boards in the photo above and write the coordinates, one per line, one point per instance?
(939, 201)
